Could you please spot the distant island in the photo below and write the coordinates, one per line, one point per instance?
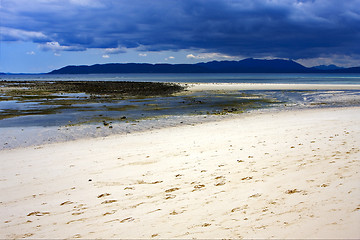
(249, 65)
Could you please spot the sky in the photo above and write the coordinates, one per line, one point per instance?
(38, 36)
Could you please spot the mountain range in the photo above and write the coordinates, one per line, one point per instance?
(248, 65)
(328, 67)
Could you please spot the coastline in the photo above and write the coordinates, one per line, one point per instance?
(266, 86)
(287, 174)
(195, 94)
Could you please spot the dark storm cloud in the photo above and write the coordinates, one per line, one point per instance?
(279, 28)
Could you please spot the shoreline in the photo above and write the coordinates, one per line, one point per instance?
(36, 136)
(18, 136)
(287, 174)
(265, 86)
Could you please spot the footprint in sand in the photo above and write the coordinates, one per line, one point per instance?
(37, 213)
(171, 190)
(292, 191)
(76, 220)
(129, 219)
(247, 178)
(143, 182)
(109, 213)
(255, 195)
(242, 208)
(236, 209)
(174, 213)
(156, 182)
(108, 201)
(169, 196)
(219, 184)
(357, 209)
(66, 203)
(198, 187)
(78, 210)
(103, 195)
(26, 235)
(136, 205)
(159, 209)
(222, 178)
(77, 213)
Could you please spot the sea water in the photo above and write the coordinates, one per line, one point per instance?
(303, 78)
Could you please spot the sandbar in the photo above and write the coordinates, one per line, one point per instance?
(266, 86)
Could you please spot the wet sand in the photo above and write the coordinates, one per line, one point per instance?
(290, 174)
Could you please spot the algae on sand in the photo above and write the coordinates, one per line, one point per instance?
(61, 102)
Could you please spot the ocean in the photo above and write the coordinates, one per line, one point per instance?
(303, 78)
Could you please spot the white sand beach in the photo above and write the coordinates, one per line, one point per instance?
(266, 86)
(290, 174)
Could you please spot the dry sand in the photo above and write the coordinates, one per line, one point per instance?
(273, 175)
(266, 86)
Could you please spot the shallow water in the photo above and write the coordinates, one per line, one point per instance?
(78, 109)
(69, 109)
(72, 109)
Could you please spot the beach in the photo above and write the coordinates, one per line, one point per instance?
(267, 86)
(286, 174)
(179, 119)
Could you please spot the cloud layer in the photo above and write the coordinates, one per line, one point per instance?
(257, 28)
